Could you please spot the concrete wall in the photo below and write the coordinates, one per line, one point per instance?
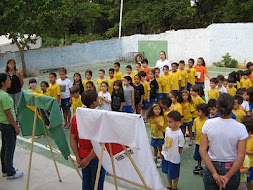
(76, 55)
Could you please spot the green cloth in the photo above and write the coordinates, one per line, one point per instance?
(46, 103)
(246, 164)
(6, 103)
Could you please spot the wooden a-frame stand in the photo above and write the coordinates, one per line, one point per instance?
(144, 185)
(36, 113)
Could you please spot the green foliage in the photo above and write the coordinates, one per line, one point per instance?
(218, 64)
(227, 61)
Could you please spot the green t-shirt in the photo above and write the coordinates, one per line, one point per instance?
(6, 103)
(246, 164)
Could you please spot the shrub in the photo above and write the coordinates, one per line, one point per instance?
(218, 64)
(227, 61)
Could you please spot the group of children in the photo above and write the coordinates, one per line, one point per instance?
(169, 103)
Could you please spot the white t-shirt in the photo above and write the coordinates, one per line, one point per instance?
(173, 140)
(160, 65)
(223, 136)
(223, 90)
(104, 105)
(65, 85)
(245, 105)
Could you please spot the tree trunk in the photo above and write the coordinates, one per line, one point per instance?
(22, 56)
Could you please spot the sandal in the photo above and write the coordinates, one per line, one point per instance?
(168, 188)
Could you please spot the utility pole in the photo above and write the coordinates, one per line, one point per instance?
(120, 18)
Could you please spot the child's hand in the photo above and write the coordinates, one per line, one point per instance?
(101, 97)
(133, 107)
(83, 163)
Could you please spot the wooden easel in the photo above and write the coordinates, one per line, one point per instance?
(38, 112)
(144, 185)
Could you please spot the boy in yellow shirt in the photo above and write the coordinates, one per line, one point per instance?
(88, 77)
(230, 87)
(117, 74)
(146, 99)
(245, 81)
(159, 80)
(111, 80)
(184, 75)
(166, 81)
(213, 92)
(129, 73)
(101, 75)
(54, 89)
(175, 77)
(76, 98)
(237, 110)
(137, 68)
(198, 123)
(192, 74)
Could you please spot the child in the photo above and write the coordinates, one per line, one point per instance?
(129, 73)
(192, 74)
(128, 105)
(146, 98)
(166, 81)
(54, 89)
(196, 99)
(111, 80)
(184, 75)
(172, 149)
(225, 83)
(117, 96)
(201, 71)
(101, 75)
(175, 77)
(237, 110)
(44, 86)
(245, 104)
(138, 93)
(153, 86)
(176, 99)
(221, 88)
(145, 68)
(32, 86)
(137, 68)
(201, 92)
(156, 123)
(104, 97)
(245, 81)
(250, 99)
(65, 85)
(165, 103)
(117, 73)
(76, 98)
(78, 81)
(88, 77)
(202, 112)
(90, 86)
(230, 87)
(213, 92)
(159, 80)
(188, 109)
(212, 109)
(250, 67)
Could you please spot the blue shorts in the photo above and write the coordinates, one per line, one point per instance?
(127, 109)
(187, 124)
(159, 96)
(196, 153)
(166, 94)
(200, 83)
(65, 103)
(153, 100)
(156, 142)
(189, 85)
(182, 88)
(172, 170)
(145, 105)
(250, 174)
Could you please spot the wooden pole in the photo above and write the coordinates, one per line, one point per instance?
(50, 146)
(120, 18)
(31, 151)
(135, 167)
(99, 165)
(113, 167)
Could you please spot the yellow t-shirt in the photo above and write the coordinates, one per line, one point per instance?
(238, 84)
(231, 91)
(110, 84)
(177, 107)
(196, 100)
(192, 75)
(132, 77)
(135, 73)
(160, 84)
(175, 77)
(165, 114)
(166, 83)
(239, 114)
(118, 75)
(36, 90)
(246, 164)
(213, 94)
(184, 76)
(76, 103)
(45, 93)
(250, 147)
(245, 83)
(84, 83)
(99, 80)
(156, 133)
(54, 90)
(188, 109)
(197, 124)
(146, 89)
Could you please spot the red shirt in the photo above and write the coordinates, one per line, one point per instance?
(146, 70)
(201, 71)
(251, 78)
(85, 146)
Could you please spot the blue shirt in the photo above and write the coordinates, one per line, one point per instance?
(217, 115)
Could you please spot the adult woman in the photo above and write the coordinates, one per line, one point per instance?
(162, 62)
(83, 150)
(227, 147)
(9, 129)
(16, 82)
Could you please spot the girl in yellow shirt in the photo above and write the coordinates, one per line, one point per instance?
(88, 77)
(43, 86)
(196, 99)
(33, 86)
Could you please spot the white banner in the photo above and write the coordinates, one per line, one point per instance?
(123, 129)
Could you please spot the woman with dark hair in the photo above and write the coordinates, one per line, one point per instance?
(9, 128)
(162, 62)
(16, 82)
(227, 147)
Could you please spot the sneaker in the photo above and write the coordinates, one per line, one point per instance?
(159, 163)
(5, 174)
(190, 143)
(145, 120)
(198, 170)
(155, 159)
(16, 175)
